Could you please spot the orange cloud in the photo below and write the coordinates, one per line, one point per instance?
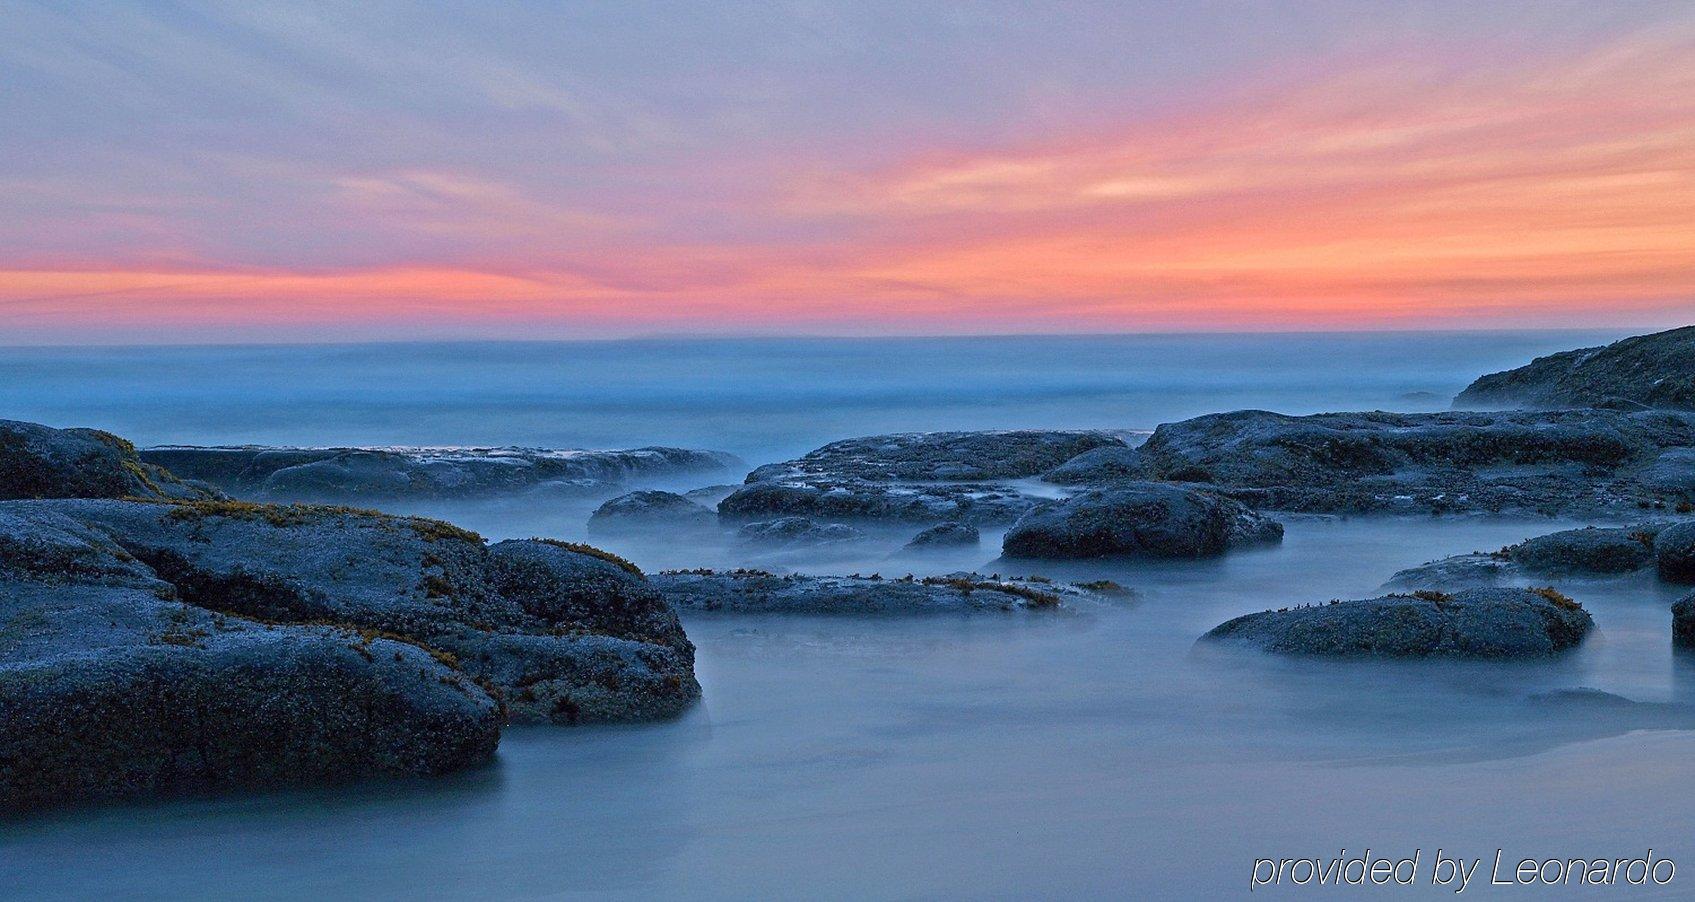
(1381, 194)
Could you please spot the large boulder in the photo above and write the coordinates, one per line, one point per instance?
(112, 684)
(378, 474)
(1646, 371)
(367, 635)
(1674, 553)
(759, 592)
(1546, 462)
(912, 477)
(1472, 623)
(1139, 520)
(42, 462)
(648, 510)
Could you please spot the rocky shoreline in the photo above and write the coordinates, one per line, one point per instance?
(173, 620)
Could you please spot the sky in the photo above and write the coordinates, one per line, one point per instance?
(183, 172)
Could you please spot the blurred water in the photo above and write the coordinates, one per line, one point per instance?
(1091, 754)
(761, 398)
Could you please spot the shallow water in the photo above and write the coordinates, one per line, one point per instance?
(1089, 753)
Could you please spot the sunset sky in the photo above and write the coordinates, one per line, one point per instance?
(241, 171)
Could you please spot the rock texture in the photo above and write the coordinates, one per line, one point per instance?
(1683, 622)
(155, 648)
(758, 592)
(1647, 371)
(1547, 462)
(1674, 553)
(374, 474)
(915, 477)
(42, 462)
(651, 510)
(946, 535)
(1473, 623)
(1139, 519)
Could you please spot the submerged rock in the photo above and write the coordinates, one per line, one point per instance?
(939, 456)
(946, 535)
(650, 510)
(154, 648)
(796, 532)
(976, 503)
(912, 478)
(1548, 462)
(1674, 553)
(1472, 623)
(1139, 520)
(39, 461)
(1589, 552)
(758, 592)
(367, 474)
(1647, 371)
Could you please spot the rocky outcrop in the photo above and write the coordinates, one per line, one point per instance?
(1674, 553)
(1139, 519)
(1472, 623)
(651, 510)
(1546, 462)
(795, 532)
(913, 478)
(153, 648)
(39, 461)
(946, 535)
(1647, 371)
(758, 592)
(364, 475)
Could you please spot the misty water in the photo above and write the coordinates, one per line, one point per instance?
(1093, 752)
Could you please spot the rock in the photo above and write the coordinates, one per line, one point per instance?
(977, 503)
(912, 478)
(1647, 371)
(1586, 551)
(946, 535)
(1100, 467)
(1139, 520)
(1672, 472)
(113, 685)
(1459, 571)
(796, 532)
(939, 456)
(1683, 622)
(1575, 462)
(1674, 553)
(1472, 623)
(1589, 552)
(562, 633)
(758, 592)
(650, 510)
(42, 462)
(369, 474)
